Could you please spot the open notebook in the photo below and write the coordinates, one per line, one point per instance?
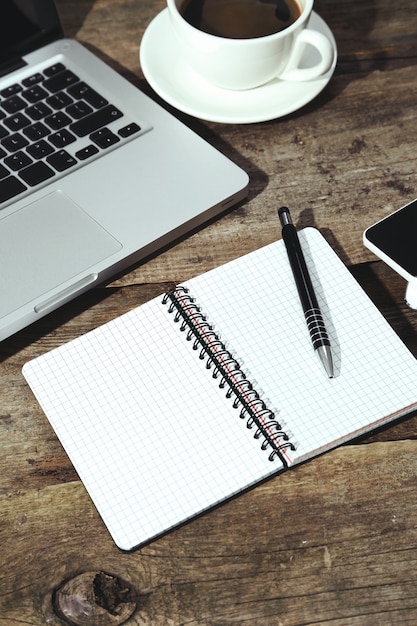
(156, 426)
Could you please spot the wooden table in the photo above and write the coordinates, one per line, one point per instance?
(331, 542)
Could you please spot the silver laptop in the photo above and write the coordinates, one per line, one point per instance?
(94, 175)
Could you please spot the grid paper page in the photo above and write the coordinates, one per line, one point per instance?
(254, 302)
(150, 434)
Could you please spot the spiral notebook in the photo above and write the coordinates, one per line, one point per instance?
(199, 394)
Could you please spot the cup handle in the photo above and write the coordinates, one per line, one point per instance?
(321, 44)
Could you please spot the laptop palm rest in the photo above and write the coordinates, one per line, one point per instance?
(49, 242)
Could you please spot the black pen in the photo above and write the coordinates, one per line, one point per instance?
(312, 313)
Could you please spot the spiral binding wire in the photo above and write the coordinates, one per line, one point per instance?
(227, 370)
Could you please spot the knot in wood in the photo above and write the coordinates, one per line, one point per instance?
(95, 599)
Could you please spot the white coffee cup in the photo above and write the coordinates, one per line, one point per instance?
(247, 63)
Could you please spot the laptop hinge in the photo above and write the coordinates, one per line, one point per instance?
(11, 66)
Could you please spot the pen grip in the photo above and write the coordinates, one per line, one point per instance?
(316, 328)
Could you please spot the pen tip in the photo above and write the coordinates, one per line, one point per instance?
(326, 359)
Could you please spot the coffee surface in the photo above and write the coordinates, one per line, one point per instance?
(240, 19)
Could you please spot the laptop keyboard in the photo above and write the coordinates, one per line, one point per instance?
(51, 123)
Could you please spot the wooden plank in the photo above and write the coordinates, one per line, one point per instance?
(340, 163)
(328, 543)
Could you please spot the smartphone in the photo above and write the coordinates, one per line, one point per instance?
(394, 240)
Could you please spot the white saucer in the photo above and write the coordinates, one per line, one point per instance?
(187, 91)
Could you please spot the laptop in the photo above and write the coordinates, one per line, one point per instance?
(94, 175)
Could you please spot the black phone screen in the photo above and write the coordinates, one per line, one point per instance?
(396, 236)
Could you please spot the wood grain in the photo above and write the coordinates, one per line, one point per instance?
(329, 543)
(332, 542)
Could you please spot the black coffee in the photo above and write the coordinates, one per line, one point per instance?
(240, 19)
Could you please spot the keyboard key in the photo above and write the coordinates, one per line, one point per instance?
(87, 152)
(104, 138)
(14, 142)
(59, 100)
(61, 160)
(13, 104)
(79, 109)
(38, 111)
(32, 80)
(82, 91)
(34, 94)
(62, 138)
(36, 173)
(10, 187)
(54, 69)
(43, 115)
(17, 122)
(129, 130)
(57, 120)
(18, 160)
(96, 120)
(11, 90)
(36, 131)
(40, 149)
(3, 172)
(60, 81)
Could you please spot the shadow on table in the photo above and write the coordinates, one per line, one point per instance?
(364, 46)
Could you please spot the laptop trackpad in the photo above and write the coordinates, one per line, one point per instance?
(46, 244)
